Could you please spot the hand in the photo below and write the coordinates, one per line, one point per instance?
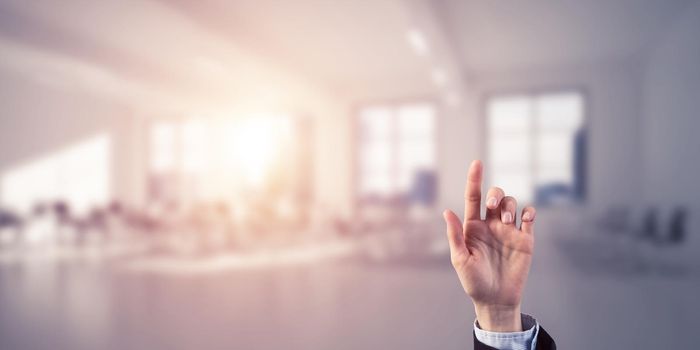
(492, 256)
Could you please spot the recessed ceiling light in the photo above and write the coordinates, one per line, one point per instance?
(417, 41)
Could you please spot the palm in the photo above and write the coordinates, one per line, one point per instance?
(491, 256)
(496, 268)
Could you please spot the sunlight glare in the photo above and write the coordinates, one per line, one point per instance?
(258, 144)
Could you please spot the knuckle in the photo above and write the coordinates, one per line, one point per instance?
(472, 197)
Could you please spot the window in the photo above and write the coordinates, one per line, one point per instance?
(396, 150)
(78, 174)
(536, 145)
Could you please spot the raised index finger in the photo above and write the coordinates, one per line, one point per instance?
(472, 192)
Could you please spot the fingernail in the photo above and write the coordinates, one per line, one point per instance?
(507, 218)
(526, 216)
(492, 202)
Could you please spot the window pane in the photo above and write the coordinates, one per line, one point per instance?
(515, 183)
(559, 117)
(163, 146)
(549, 175)
(515, 149)
(510, 145)
(509, 114)
(376, 155)
(555, 149)
(375, 151)
(78, 174)
(509, 138)
(195, 146)
(559, 112)
(395, 142)
(414, 157)
(416, 121)
(375, 124)
(531, 141)
(419, 154)
(375, 182)
(416, 128)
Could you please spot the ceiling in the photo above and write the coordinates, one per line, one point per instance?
(347, 45)
(344, 45)
(502, 35)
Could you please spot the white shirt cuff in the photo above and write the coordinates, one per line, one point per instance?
(525, 340)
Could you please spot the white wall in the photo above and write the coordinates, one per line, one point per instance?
(672, 119)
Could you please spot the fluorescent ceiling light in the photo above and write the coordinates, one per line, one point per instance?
(417, 41)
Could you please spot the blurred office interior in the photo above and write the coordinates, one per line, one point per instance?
(265, 174)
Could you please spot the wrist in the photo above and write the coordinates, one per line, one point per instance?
(499, 318)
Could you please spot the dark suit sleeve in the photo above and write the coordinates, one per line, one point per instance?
(544, 342)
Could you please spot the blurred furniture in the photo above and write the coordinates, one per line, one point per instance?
(11, 226)
(652, 244)
(677, 227)
(667, 255)
(424, 189)
(553, 193)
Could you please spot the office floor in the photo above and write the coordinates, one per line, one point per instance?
(334, 303)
